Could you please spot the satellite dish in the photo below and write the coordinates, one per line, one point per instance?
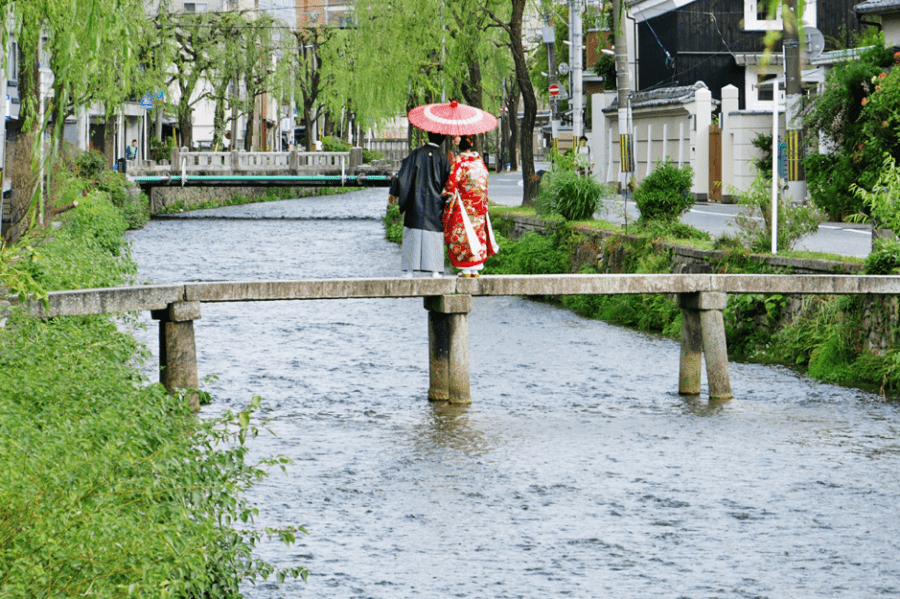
(814, 43)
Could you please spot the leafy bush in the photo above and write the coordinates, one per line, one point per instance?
(533, 254)
(334, 144)
(884, 259)
(754, 222)
(393, 224)
(666, 192)
(882, 201)
(370, 155)
(90, 164)
(829, 177)
(674, 230)
(570, 195)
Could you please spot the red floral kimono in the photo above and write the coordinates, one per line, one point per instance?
(467, 185)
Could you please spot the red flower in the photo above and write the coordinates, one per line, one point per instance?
(865, 101)
(884, 123)
(882, 76)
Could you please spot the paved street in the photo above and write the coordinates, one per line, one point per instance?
(836, 238)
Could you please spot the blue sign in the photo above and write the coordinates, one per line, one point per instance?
(147, 101)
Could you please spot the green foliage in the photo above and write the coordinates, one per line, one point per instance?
(671, 230)
(666, 192)
(90, 164)
(606, 67)
(884, 259)
(334, 144)
(533, 254)
(829, 177)
(370, 155)
(857, 112)
(882, 201)
(763, 165)
(110, 486)
(755, 221)
(570, 195)
(393, 224)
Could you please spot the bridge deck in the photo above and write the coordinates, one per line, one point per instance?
(157, 297)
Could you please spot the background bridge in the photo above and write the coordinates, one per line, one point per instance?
(702, 298)
(266, 169)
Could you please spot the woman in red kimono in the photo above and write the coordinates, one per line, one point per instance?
(467, 226)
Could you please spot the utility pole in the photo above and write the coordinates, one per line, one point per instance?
(576, 37)
(793, 95)
(549, 37)
(623, 87)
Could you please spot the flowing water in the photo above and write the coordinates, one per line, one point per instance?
(578, 471)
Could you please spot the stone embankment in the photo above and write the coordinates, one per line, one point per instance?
(880, 314)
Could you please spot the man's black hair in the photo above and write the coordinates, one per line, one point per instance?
(436, 138)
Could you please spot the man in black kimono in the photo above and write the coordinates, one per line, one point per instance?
(417, 190)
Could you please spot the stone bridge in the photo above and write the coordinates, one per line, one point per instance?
(237, 168)
(702, 298)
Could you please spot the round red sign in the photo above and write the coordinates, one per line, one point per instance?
(554, 89)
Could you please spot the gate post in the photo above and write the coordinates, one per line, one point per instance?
(448, 347)
(703, 328)
(178, 348)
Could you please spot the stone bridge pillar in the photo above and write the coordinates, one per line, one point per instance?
(178, 349)
(703, 329)
(448, 347)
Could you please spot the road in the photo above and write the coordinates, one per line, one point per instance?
(836, 238)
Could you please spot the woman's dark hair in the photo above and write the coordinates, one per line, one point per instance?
(466, 142)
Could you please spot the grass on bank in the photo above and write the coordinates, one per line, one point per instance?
(110, 487)
(272, 194)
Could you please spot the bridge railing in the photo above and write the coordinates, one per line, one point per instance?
(184, 162)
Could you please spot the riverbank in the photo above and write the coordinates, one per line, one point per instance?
(845, 340)
(110, 486)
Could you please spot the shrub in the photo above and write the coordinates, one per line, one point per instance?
(829, 177)
(393, 224)
(90, 164)
(570, 195)
(884, 258)
(666, 193)
(370, 155)
(533, 254)
(754, 223)
(334, 144)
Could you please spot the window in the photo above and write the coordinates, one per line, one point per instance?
(756, 15)
(757, 97)
(767, 93)
(194, 7)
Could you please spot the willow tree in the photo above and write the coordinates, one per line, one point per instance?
(90, 47)
(398, 56)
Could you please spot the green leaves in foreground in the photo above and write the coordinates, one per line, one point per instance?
(111, 488)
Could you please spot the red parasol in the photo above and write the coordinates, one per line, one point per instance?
(452, 119)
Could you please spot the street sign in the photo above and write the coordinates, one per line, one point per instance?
(147, 101)
(554, 89)
(563, 68)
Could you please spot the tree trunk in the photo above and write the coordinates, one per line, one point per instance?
(529, 102)
(186, 126)
(512, 114)
(219, 123)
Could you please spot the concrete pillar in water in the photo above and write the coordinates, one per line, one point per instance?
(703, 328)
(178, 349)
(448, 347)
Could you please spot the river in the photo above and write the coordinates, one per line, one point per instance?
(578, 471)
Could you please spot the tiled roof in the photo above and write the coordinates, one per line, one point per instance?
(662, 97)
(874, 7)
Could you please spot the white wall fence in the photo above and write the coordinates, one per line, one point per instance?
(675, 123)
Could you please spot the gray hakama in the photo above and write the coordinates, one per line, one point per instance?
(422, 250)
